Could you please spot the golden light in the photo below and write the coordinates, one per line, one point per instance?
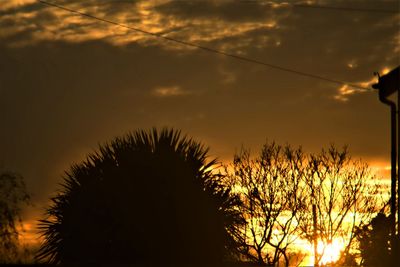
(28, 234)
(385, 70)
(330, 252)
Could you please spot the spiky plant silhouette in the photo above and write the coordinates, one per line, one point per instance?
(146, 197)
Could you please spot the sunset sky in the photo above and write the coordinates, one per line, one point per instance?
(68, 83)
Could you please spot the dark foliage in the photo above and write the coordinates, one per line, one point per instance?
(13, 195)
(149, 197)
(377, 246)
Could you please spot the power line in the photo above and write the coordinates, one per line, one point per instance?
(370, 10)
(316, 6)
(212, 50)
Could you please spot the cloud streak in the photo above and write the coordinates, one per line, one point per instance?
(169, 91)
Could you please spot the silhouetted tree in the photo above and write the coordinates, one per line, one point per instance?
(377, 246)
(321, 198)
(148, 197)
(269, 186)
(341, 196)
(13, 195)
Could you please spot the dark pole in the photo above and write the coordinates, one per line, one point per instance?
(392, 105)
(315, 234)
(387, 85)
(398, 166)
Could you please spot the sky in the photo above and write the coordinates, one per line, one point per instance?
(69, 83)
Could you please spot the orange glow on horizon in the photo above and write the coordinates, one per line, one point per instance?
(28, 233)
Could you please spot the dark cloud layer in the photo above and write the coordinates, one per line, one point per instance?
(236, 11)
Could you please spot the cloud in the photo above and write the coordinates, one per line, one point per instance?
(231, 11)
(344, 92)
(239, 27)
(149, 16)
(169, 91)
(12, 4)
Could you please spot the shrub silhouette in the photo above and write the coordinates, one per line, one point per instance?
(378, 248)
(148, 197)
(13, 195)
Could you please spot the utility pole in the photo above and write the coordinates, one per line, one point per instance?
(387, 85)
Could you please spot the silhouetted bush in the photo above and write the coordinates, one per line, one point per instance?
(13, 195)
(378, 248)
(147, 197)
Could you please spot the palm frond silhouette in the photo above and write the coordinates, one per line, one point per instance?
(146, 197)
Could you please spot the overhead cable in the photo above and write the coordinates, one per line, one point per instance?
(208, 49)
